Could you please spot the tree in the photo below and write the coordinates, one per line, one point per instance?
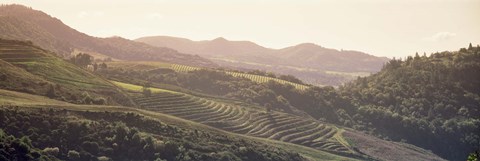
(87, 99)
(51, 92)
(99, 101)
(82, 60)
(416, 56)
(290, 78)
(268, 107)
(146, 91)
(51, 151)
(91, 147)
(103, 66)
(470, 46)
(73, 155)
(95, 67)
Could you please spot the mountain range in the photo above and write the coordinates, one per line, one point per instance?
(310, 62)
(18, 22)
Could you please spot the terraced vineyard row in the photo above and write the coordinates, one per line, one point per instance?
(14, 53)
(271, 125)
(183, 68)
(253, 77)
(263, 79)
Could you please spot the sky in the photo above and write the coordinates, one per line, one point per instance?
(391, 28)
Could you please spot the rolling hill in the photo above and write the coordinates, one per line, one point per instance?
(60, 131)
(253, 121)
(205, 124)
(312, 63)
(30, 69)
(164, 105)
(21, 23)
(273, 125)
(152, 66)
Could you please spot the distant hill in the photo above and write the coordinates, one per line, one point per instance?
(312, 63)
(317, 57)
(22, 23)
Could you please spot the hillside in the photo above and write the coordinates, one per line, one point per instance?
(73, 132)
(208, 125)
(158, 66)
(253, 121)
(150, 134)
(22, 23)
(30, 69)
(317, 57)
(242, 120)
(311, 63)
(165, 105)
(366, 104)
(237, 114)
(429, 101)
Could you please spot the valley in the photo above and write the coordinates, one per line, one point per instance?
(66, 95)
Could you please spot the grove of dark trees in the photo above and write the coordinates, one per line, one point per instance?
(48, 134)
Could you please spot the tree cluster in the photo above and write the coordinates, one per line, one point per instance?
(432, 102)
(85, 60)
(76, 135)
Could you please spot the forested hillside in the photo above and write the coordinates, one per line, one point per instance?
(232, 113)
(49, 134)
(429, 101)
(432, 102)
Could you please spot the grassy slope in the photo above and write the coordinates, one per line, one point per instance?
(23, 100)
(15, 78)
(140, 65)
(40, 67)
(17, 98)
(137, 88)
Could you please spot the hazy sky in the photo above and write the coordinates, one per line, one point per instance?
(379, 27)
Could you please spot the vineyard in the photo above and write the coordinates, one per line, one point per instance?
(252, 122)
(18, 53)
(39, 62)
(185, 68)
(253, 77)
(30, 69)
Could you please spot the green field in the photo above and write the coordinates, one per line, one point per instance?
(137, 88)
